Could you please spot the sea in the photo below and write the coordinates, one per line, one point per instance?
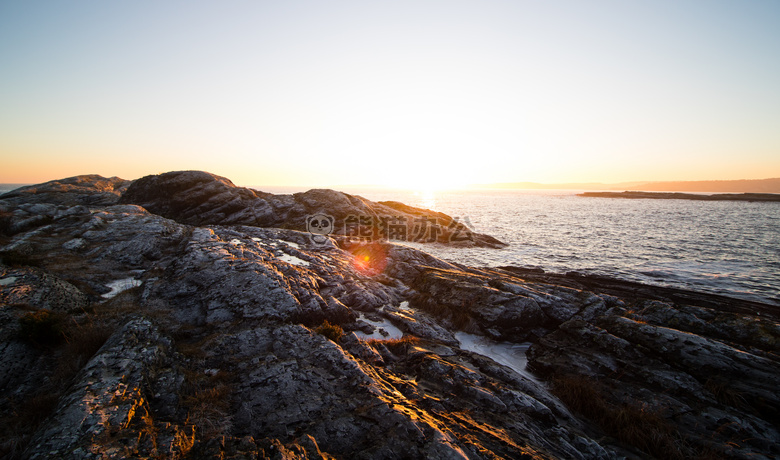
(730, 248)
(723, 247)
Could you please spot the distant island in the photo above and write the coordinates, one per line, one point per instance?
(708, 186)
(686, 196)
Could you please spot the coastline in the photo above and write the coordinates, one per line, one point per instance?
(637, 291)
(220, 334)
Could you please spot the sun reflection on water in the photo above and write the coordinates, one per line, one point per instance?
(427, 199)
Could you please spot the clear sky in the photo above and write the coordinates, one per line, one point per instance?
(404, 93)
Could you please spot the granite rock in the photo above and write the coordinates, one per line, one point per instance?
(233, 338)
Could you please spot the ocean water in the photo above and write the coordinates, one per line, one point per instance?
(722, 247)
(4, 188)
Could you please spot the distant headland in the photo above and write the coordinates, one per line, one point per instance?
(686, 196)
(704, 186)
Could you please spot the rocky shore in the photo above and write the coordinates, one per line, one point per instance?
(179, 316)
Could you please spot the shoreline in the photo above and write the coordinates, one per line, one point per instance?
(274, 329)
(635, 290)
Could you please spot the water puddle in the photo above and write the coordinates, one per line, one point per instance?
(392, 331)
(120, 286)
(7, 281)
(293, 260)
(509, 354)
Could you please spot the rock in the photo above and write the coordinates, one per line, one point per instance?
(200, 198)
(102, 412)
(220, 347)
(684, 373)
(468, 301)
(39, 290)
(89, 190)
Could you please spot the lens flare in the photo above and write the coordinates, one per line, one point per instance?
(369, 259)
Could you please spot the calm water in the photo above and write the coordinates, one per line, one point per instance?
(730, 248)
(8, 187)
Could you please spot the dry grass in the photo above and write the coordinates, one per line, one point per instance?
(7, 227)
(70, 346)
(206, 397)
(182, 443)
(725, 394)
(34, 410)
(332, 331)
(632, 424)
(42, 328)
(81, 344)
(24, 418)
(209, 411)
(149, 430)
(6, 219)
(190, 341)
(19, 258)
(395, 345)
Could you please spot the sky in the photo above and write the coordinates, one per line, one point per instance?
(413, 94)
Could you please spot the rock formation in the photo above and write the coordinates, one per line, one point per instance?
(179, 321)
(200, 198)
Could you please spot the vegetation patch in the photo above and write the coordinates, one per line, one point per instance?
(22, 420)
(5, 223)
(70, 345)
(207, 400)
(332, 331)
(82, 342)
(42, 328)
(725, 394)
(8, 228)
(19, 258)
(396, 346)
(632, 424)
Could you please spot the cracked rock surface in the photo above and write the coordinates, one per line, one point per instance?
(172, 317)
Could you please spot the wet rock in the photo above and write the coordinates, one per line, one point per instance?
(465, 300)
(419, 324)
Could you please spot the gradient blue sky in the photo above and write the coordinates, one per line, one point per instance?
(405, 93)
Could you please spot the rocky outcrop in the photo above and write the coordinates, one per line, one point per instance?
(200, 198)
(107, 411)
(91, 190)
(192, 340)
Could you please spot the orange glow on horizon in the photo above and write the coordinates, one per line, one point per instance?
(392, 95)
